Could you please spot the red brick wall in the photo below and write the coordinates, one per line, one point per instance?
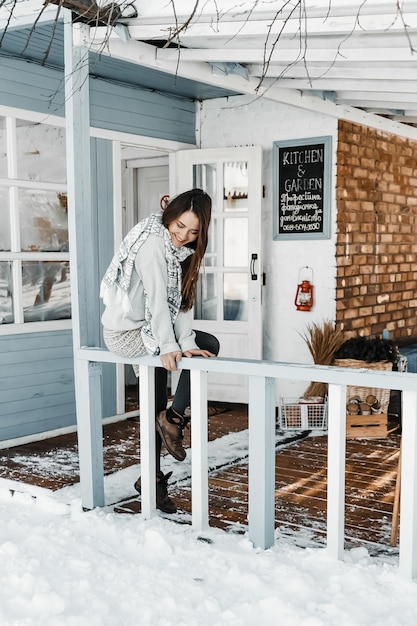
(376, 233)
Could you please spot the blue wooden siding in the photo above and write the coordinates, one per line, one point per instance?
(141, 111)
(121, 108)
(36, 383)
(30, 86)
(36, 370)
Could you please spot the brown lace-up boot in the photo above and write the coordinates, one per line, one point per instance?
(163, 501)
(170, 426)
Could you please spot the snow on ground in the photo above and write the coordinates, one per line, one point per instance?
(62, 566)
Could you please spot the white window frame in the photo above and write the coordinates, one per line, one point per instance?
(15, 255)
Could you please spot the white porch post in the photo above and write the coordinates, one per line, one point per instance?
(199, 447)
(408, 496)
(82, 259)
(261, 461)
(336, 462)
(89, 429)
(147, 439)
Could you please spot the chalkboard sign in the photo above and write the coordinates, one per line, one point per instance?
(301, 188)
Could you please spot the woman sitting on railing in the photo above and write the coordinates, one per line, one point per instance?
(149, 290)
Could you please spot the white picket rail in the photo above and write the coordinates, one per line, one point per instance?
(261, 377)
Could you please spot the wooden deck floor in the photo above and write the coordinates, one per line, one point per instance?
(300, 475)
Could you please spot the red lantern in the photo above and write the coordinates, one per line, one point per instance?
(304, 299)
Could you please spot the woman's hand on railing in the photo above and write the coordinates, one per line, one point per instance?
(170, 359)
(198, 352)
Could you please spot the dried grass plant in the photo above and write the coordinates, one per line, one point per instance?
(323, 341)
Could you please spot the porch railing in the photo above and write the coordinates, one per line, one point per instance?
(261, 376)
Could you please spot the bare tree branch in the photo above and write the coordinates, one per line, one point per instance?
(3, 3)
(179, 29)
(268, 55)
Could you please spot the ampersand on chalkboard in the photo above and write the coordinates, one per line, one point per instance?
(302, 190)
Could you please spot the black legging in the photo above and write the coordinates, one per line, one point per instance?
(181, 400)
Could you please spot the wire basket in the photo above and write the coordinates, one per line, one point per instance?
(299, 414)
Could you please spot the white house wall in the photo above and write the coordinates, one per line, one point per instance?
(243, 121)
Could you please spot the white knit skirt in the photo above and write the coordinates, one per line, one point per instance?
(125, 343)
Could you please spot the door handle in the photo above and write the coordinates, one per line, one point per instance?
(254, 257)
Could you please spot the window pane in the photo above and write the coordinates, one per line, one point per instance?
(3, 148)
(206, 301)
(236, 186)
(210, 257)
(6, 301)
(40, 152)
(235, 297)
(43, 221)
(236, 242)
(4, 220)
(205, 177)
(46, 290)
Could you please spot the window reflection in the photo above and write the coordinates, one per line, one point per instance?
(46, 290)
(43, 221)
(206, 303)
(4, 219)
(205, 177)
(3, 148)
(6, 300)
(235, 297)
(40, 152)
(235, 186)
(210, 257)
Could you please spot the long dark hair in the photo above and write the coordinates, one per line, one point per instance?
(199, 202)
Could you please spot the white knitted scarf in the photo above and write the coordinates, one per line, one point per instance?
(119, 272)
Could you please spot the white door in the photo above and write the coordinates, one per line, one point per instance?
(229, 295)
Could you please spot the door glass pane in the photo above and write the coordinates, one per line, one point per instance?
(3, 148)
(205, 308)
(205, 177)
(43, 221)
(235, 186)
(210, 257)
(46, 290)
(235, 296)
(4, 219)
(236, 242)
(6, 301)
(40, 152)
(206, 302)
